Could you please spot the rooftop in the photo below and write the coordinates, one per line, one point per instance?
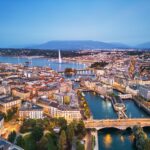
(8, 146)
(7, 98)
(26, 106)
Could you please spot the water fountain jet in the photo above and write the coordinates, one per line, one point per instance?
(59, 57)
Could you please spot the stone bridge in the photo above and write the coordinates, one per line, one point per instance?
(117, 123)
(125, 96)
(87, 72)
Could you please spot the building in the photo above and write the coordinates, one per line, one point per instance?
(7, 102)
(132, 89)
(30, 110)
(107, 79)
(100, 72)
(67, 112)
(5, 145)
(65, 86)
(59, 97)
(1, 124)
(19, 92)
(56, 110)
(5, 89)
(101, 88)
(144, 91)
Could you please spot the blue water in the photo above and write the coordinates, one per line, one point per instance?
(133, 111)
(100, 108)
(113, 139)
(42, 62)
(110, 138)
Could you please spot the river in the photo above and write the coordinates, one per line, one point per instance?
(110, 138)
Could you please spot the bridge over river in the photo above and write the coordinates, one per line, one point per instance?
(82, 72)
(116, 123)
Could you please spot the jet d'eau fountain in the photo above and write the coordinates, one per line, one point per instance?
(59, 57)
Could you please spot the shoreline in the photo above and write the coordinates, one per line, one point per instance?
(95, 134)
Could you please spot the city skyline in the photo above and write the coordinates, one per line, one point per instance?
(32, 22)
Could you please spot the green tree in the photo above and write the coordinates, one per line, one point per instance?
(99, 65)
(79, 146)
(62, 123)
(80, 129)
(11, 113)
(146, 145)
(52, 142)
(43, 144)
(12, 136)
(141, 141)
(62, 141)
(70, 133)
(30, 143)
(37, 133)
(20, 141)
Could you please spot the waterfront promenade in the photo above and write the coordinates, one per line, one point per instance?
(116, 123)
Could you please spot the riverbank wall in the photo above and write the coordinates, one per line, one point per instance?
(95, 134)
(139, 104)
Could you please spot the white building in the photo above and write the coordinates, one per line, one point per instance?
(131, 90)
(144, 91)
(7, 102)
(63, 111)
(30, 110)
(1, 124)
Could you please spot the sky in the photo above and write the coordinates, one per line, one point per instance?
(29, 22)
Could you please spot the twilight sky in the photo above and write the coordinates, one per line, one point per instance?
(27, 22)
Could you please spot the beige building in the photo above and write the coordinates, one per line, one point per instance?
(23, 94)
(30, 110)
(66, 112)
(7, 102)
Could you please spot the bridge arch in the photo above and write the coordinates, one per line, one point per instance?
(119, 128)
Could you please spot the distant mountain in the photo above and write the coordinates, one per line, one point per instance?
(144, 45)
(76, 45)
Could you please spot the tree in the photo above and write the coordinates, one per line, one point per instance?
(27, 125)
(37, 133)
(12, 136)
(70, 71)
(141, 140)
(79, 146)
(99, 65)
(30, 143)
(80, 129)
(10, 113)
(20, 141)
(43, 144)
(147, 145)
(62, 140)
(70, 133)
(52, 142)
(62, 123)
